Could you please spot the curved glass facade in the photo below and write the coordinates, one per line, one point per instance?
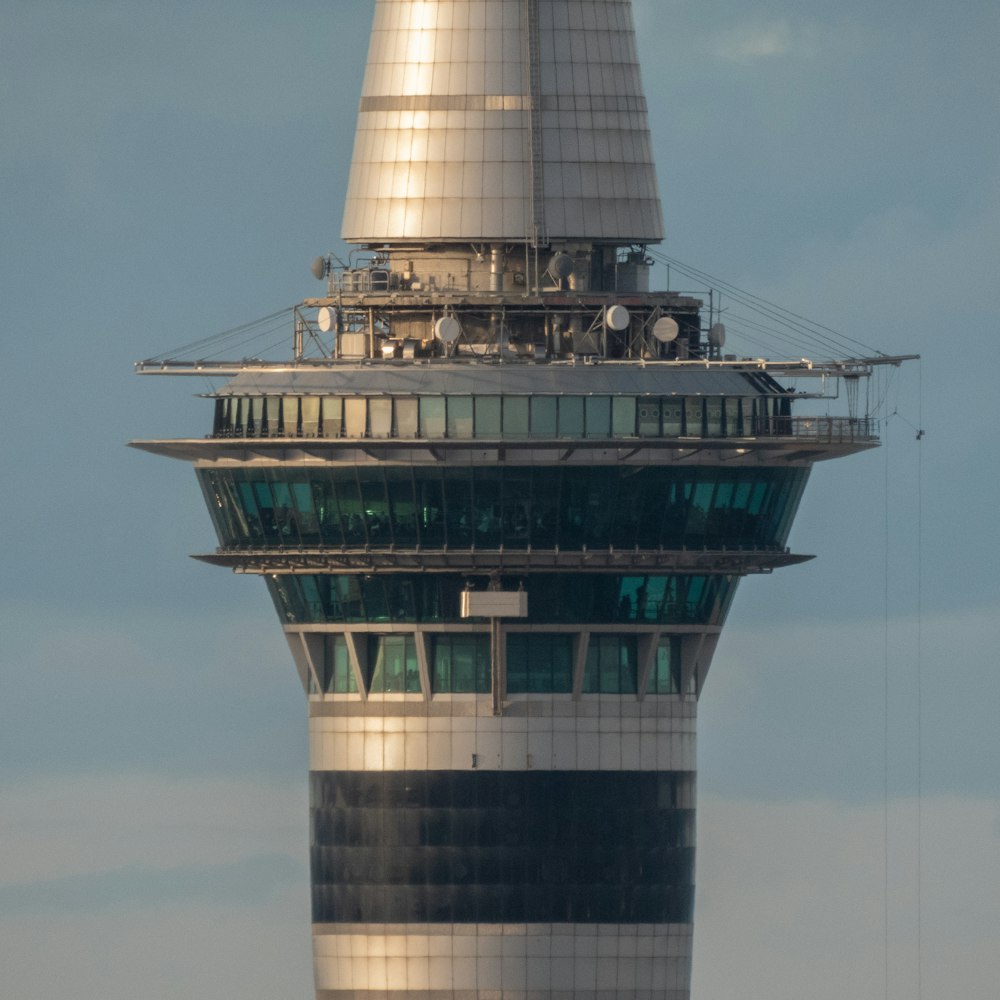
(515, 507)
(502, 847)
(501, 417)
(553, 598)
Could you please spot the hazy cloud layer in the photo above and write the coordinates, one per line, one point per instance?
(170, 173)
(792, 899)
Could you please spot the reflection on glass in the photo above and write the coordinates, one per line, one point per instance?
(571, 416)
(623, 416)
(515, 416)
(487, 416)
(539, 663)
(665, 676)
(393, 660)
(432, 417)
(460, 417)
(406, 418)
(460, 664)
(496, 847)
(544, 507)
(333, 416)
(310, 415)
(692, 417)
(463, 417)
(380, 417)
(611, 665)
(543, 416)
(355, 416)
(337, 664)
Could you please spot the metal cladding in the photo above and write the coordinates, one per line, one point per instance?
(502, 496)
(502, 120)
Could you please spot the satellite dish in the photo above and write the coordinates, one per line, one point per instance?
(561, 265)
(717, 335)
(666, 329)
(319, 269)
(326, 320)
(447, 329)
(617, 318)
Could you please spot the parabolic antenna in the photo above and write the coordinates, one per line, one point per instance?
(325, 319)
(319, 268)
(666, 329)
(717, 335)
(617, 318)
(447, 329)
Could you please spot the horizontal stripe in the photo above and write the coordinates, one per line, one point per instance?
(616, 103)
(502, 847)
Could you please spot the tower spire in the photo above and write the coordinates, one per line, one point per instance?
(502, 121)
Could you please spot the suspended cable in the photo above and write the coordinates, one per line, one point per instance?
(217, 340)
(920, 684)
(817, 334)
(885, 718)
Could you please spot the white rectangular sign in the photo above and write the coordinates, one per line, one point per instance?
(494, 604)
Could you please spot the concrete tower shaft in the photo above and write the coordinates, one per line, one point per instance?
(502, 121)
(502, 496)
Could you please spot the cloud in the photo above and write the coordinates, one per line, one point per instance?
(792, 899)
(795, 707)
(217, 951)
(238, 883)
(748, 43)
(60, 832)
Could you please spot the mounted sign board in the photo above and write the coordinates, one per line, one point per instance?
(494, 604)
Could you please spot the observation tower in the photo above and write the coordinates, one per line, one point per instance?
(502, 494)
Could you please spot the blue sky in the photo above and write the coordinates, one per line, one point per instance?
(170, 172)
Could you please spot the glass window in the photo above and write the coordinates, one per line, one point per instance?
(672, 410)
(649, 417)
(333, 416)
(460, 664)
(221, 425)
(502, 847)
(256, 415)
(611, 665)
(539, 663)
(487, 416)
(402, 506)
(487, 511)
(713, 417)
(665, 676)
(554, 598)
(734, 420)
(355, 416)
(312, 598)
(543, 416)
(460, 417)
(432, 419)
(339, 677)
(393, 665)
(406, 418)
(380, 417)
(310, 416)
(545, 507)
(692, 417)
(272, 413)
(375, 505)
(623, 416)
(290, 416)
(571, 416)
(515, 416)
(598, 415)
